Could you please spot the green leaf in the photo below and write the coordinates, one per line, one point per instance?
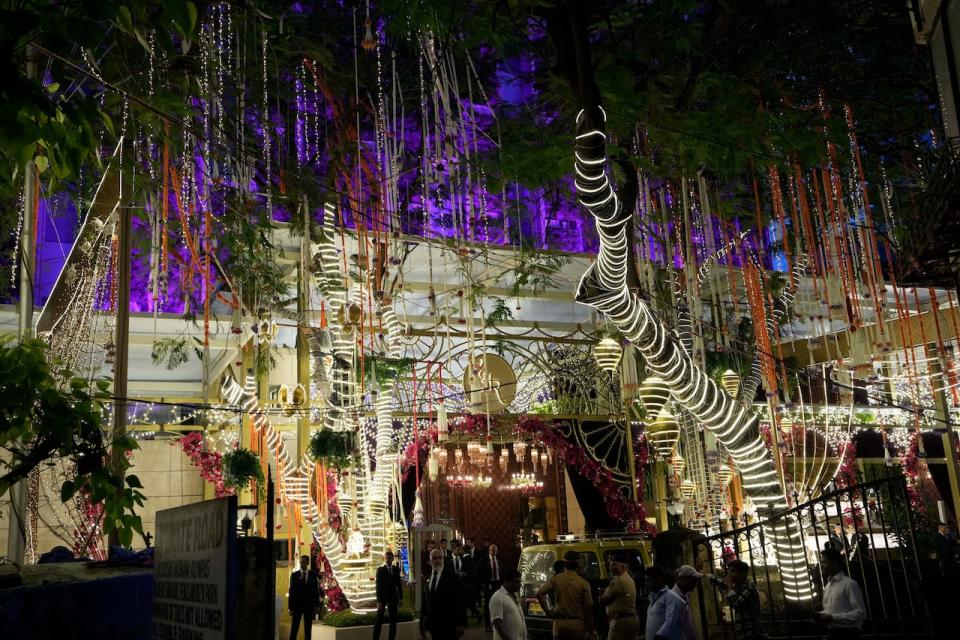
(134, 482)
(67, 490)
(41, 163)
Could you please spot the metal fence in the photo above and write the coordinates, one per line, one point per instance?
(876, 536)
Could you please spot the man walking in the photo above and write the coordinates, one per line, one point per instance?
(843, 609)
(489, 574)
(572, 612)
(443, 615)
(620, 600)
(687, 580)
(743, 598)
(389, 594)
(665, 609)
(462, 565)
(303, 598)
(505, 612)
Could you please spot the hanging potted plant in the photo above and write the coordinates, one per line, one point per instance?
(332, 448)
(240, 466)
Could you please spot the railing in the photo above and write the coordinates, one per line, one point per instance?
(877, 540)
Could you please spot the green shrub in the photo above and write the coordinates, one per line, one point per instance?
(240, 466)
(348, 618)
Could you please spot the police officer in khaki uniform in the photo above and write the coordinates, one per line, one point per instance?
(620, 599)
(573, 613)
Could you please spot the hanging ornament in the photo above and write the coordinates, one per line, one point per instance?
(654, 393)
(433, 465)
(443, 430)
(416, 517)
(369, 42)
(678, 463)
(725, 474)
(730, 382)
(520, 451)
(687, 487)
(663, 434)
(607, 353)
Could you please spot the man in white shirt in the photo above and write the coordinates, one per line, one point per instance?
(665, 608)
(687, 580)
(505, 612)
(843, 609)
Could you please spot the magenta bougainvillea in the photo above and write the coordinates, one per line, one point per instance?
(210, 463)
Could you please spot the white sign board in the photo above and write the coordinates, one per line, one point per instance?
(191, 566)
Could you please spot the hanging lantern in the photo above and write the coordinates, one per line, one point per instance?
(730, 382)
(443, 430)
(725, 474)
(678, 463)
(299, 396)
(654, 393)
(433, 465)
(663, 434)
(544, 459)
(534, 459)
(283, 395)
(687, 487)
(607, 353)
(520, 450)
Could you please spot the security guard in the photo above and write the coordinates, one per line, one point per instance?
(573, 613)
(620, 599)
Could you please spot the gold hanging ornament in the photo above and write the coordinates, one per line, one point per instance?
(663, 434)
(687, 488)
(607, 353)
(654, 393)
(730, 382)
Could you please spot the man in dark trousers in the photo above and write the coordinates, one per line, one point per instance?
(443, 616)
(488, 572)
(303, 598)
(462, 565)
(389, 594)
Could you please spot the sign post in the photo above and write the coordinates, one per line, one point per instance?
(194, 572)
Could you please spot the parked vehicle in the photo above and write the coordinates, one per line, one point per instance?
(536, 567)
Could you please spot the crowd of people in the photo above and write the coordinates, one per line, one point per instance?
(459, 578)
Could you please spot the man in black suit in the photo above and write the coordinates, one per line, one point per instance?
(488, 571)
(443, 615)
(303, 598)
(389, 594)
(462, 566)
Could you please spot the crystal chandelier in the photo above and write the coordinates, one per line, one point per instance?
(523, 481)
(481, 482)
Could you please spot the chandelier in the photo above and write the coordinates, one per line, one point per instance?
(460, 481)
(523, 481)
(481, 482)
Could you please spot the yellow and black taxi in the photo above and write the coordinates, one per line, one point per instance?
(537, 566)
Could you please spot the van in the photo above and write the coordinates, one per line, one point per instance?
(536, 567)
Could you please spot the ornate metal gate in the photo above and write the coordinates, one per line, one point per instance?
(871, 524)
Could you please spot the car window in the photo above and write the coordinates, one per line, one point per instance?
(536, 567)
(634, 565)
(589, 565)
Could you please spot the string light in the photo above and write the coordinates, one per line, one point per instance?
(604, 287)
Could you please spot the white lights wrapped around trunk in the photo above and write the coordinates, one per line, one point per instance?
(604, 287)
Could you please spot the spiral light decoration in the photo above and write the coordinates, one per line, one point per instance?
(663, 434)
(604, 287)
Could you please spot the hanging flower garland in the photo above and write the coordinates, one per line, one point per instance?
(617, 507)
(210, 463)
(847, 472)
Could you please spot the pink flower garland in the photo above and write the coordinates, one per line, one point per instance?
(619, 508)
(209, 462)
(847, 473)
